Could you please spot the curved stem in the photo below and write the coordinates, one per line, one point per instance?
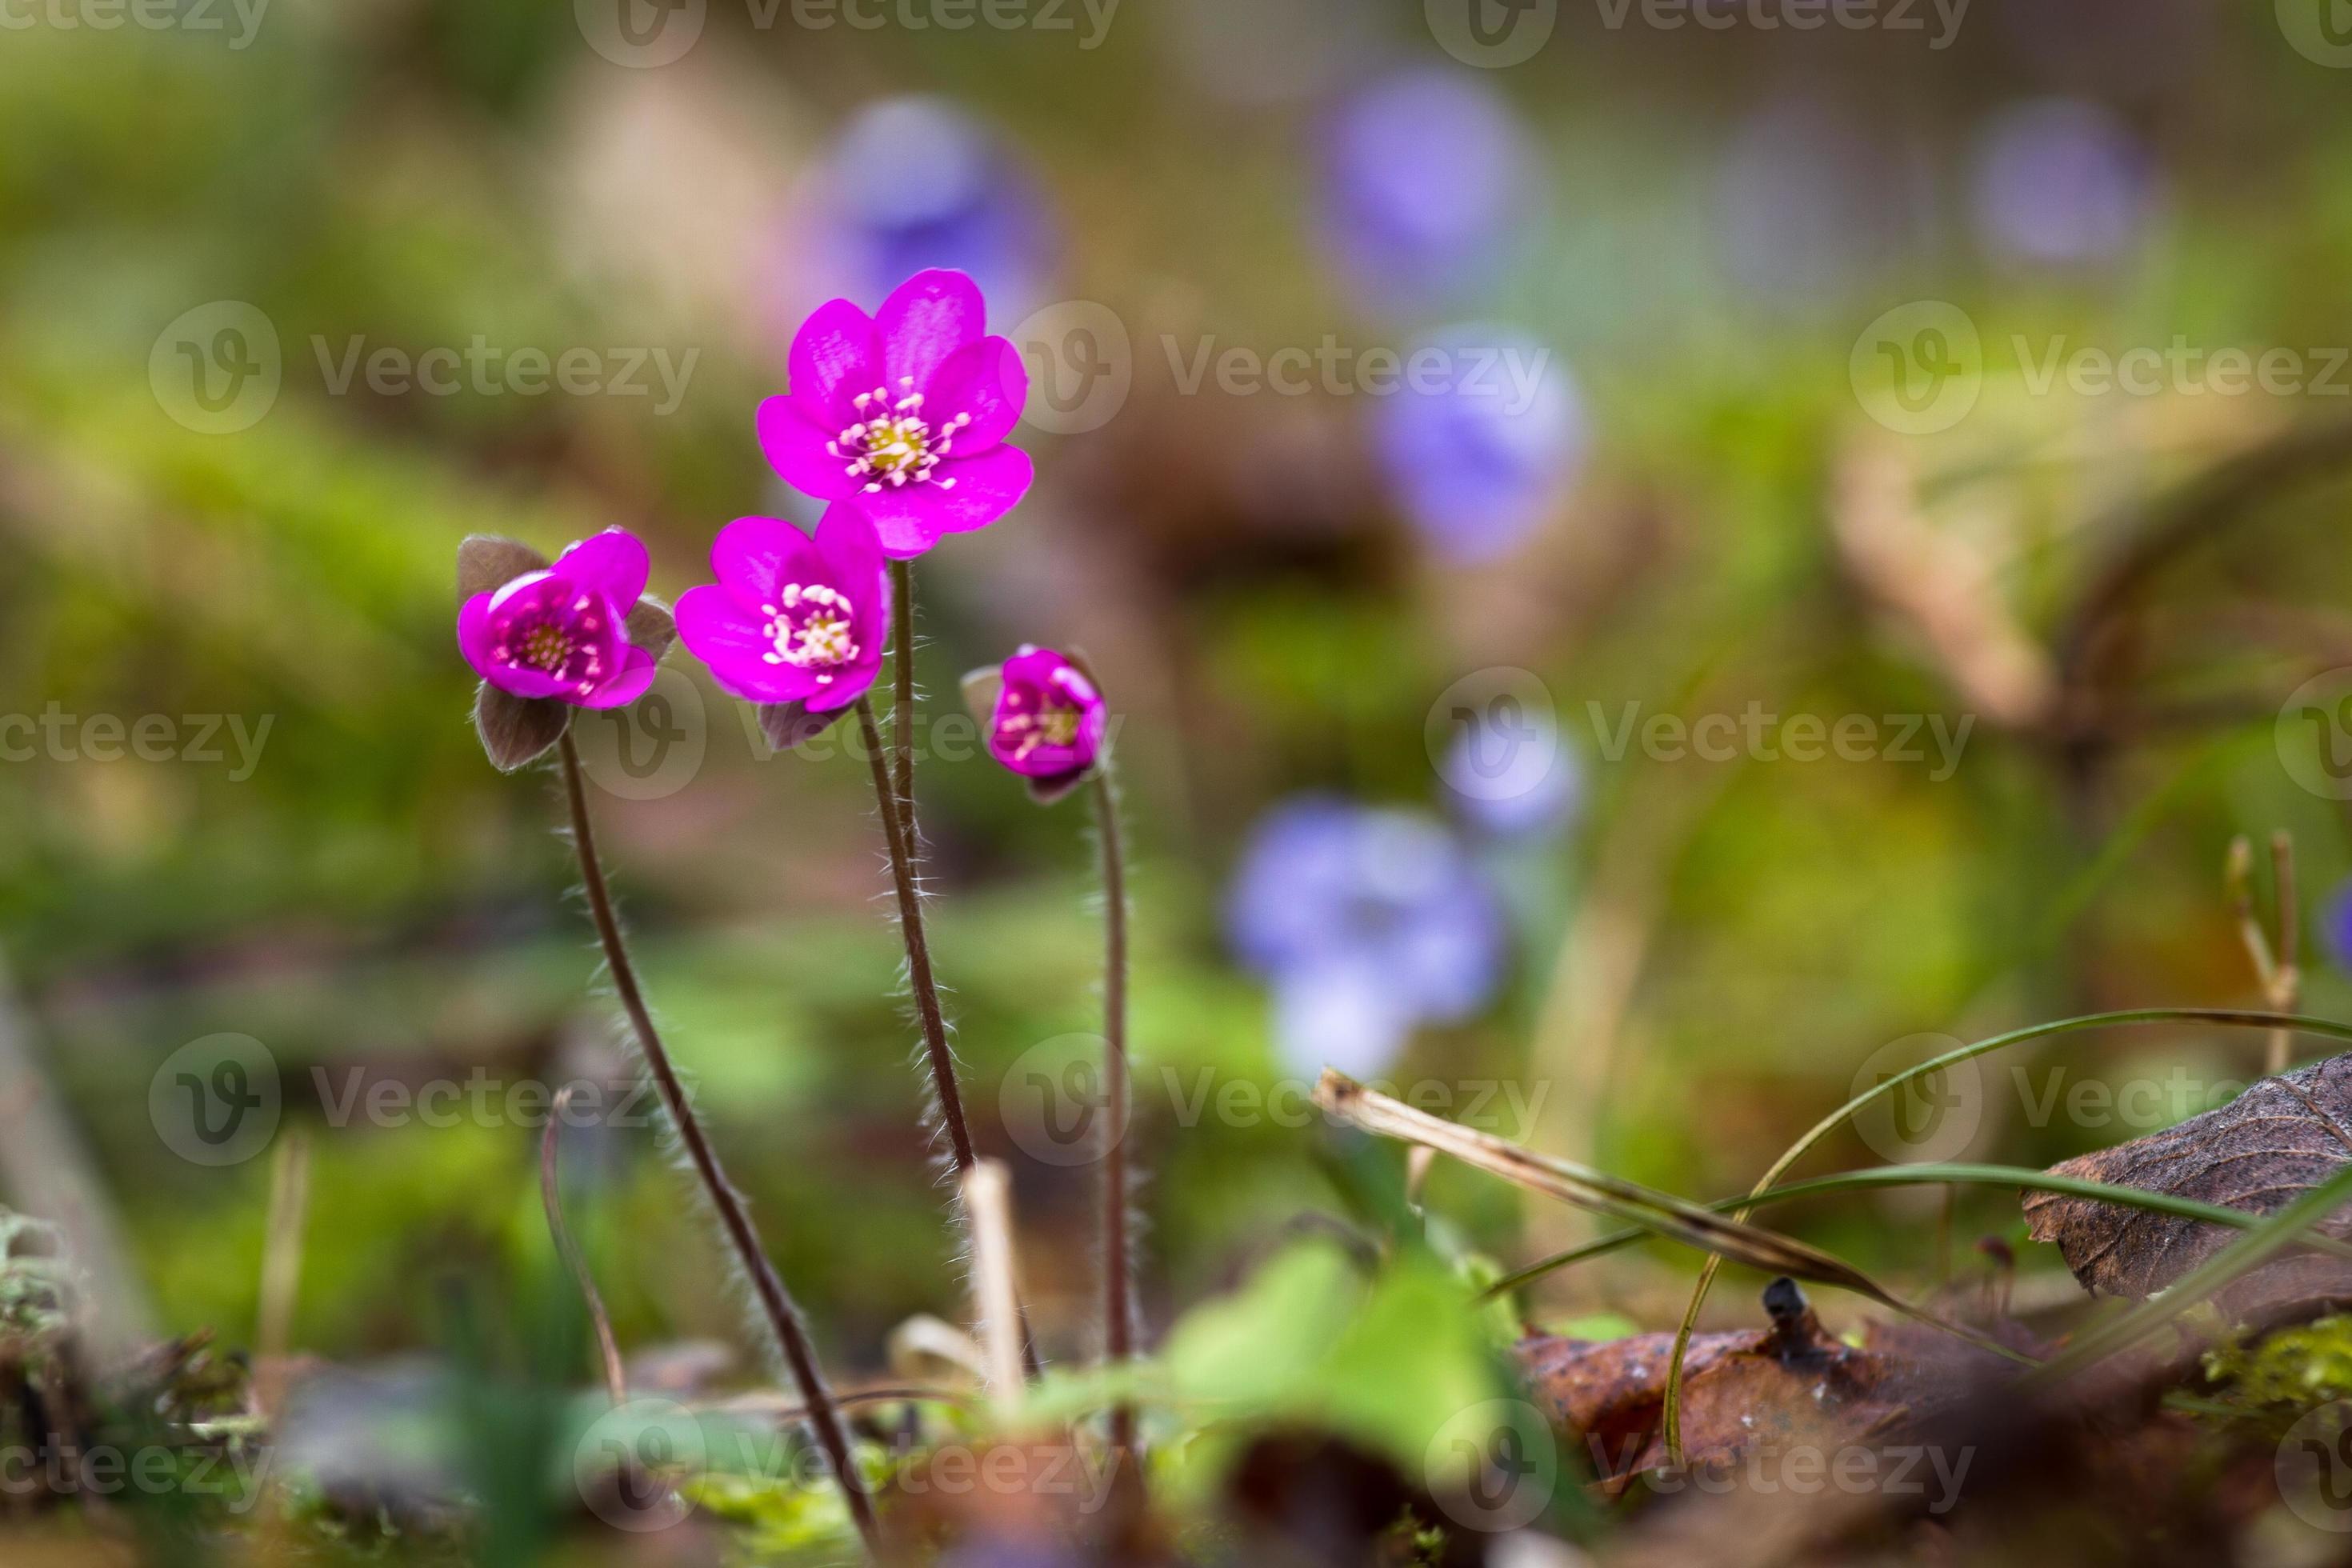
(918, 947)
(792, 1335)
(1117, 1308)
(2234, 1017)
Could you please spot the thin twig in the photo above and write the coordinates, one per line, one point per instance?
(995, 1297)
(2275, 966)
(281, 1266)
(1119, 1330)
(550, 1191)
(792, 1335)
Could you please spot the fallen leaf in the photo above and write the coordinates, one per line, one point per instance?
(2257, 1154)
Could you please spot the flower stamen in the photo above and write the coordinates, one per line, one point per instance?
(892, 443)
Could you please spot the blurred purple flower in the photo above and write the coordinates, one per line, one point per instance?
(2060, 180)
(1479, 454)
(2335, 924)
(907, 411)
(1048, 719)
(913, 182)
(1428, 180)
(1367, 922)
(562, 632)
(1510, 783)
(792, 620)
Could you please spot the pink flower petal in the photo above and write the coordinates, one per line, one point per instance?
(756, 555)
(925, 320)
(854, 562)
(636, 674)
(985, 380)
(721, 634)
(794, 444)
(835, 356)
(613, 562)
(911, 518)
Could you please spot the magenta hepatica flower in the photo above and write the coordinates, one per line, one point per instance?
(546, 639)
(793, 622)
(906, 411)
(1043, 717)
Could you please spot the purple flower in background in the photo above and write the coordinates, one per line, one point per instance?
(792, 621)
(1048, 719)
(1480, 452)
(1514, 775)
(914, 183)
(1428, 179)
(2058, 180)
(1367, 923)
(907, 411)
(560, 631)
(2335, 925)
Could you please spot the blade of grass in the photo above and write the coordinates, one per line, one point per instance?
(1679, 1219)
(2022, 1177)
(2232, 1017)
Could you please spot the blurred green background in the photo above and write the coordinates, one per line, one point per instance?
(1701, 225)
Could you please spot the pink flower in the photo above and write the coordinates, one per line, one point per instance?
(560, 631)
(907, 411)
(792, 620)
(549, 638)
(1044, 717)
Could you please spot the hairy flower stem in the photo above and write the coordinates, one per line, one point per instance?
(918, 947)
(824, 1414)
(919, 979)
(1118, 1309)
(902, 695)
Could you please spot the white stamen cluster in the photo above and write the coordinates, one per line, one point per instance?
(893, 444)
(811, 628)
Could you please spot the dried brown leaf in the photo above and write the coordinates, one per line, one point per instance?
(2257, 1154)
(487, 562)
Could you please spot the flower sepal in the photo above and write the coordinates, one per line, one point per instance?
(788, 725)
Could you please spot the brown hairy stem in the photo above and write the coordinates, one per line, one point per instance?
(824, 1415)
(918, 947)
(1118, 1307)
(902, 695)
